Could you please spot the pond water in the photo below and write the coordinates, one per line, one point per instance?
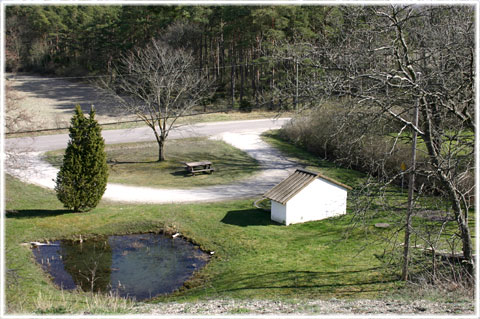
(140, 266)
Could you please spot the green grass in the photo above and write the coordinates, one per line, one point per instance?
(311, 162)
(454, 143)
(209, 117)
(390, 208)
(254, 258)
(136, 163)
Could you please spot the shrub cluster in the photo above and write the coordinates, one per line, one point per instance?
(342, 136)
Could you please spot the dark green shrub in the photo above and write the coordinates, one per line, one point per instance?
(245, 106)
(82, 178)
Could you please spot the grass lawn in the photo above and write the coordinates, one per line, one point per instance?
(254, 258)
(311, 162)
(454, 144)
(391, 207)
(136, 163)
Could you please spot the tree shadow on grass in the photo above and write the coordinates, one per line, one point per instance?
(340, 282)
(110, 162)
(31, 213)
(248, 217)
(182, 173)
(66, 94)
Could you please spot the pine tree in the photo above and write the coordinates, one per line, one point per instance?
(82, 179)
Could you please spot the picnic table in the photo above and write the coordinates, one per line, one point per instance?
(198, 167)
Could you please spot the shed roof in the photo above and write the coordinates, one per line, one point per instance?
(293, 184)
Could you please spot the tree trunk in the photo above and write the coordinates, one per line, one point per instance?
(161, 151)
(206, 56)
(232, 77)
(272, 85)
(411, 185)
(242, 73)
(462, 222)
(222, 56)
(433, 145)
(295, 66)
(217, 74)
(254, 87)
(200, 51)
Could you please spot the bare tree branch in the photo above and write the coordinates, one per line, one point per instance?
(159, 84)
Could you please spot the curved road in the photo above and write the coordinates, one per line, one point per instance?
(27, 163)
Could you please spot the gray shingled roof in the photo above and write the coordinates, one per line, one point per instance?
(293, 184)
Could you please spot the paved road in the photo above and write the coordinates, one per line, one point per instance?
(144, 134)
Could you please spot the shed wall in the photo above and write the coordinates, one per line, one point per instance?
(278, 212)
(320, 199)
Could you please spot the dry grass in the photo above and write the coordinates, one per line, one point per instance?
(63, 303)
(136, 163)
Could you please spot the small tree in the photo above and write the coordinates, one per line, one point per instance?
(82, 179)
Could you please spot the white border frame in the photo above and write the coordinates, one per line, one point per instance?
(4, 3)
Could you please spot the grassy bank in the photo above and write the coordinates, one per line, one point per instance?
(312, 162)
(136, 163)
(254, 258)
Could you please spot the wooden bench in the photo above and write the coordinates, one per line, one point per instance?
(199, 167)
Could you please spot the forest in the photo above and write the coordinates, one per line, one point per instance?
(236, 46)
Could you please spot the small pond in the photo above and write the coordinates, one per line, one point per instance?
(139, 266)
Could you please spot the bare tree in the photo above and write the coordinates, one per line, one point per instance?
(388, 62)
(421, 56)
(159, 84)
(15, 117)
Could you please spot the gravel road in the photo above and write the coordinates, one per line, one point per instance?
(144, 134)
(244, 135)
(314, 307)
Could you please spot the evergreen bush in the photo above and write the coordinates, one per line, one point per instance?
(245, 106)
(82, 179)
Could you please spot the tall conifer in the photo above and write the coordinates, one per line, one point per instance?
(82, 179)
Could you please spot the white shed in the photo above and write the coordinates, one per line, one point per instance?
(306, 196)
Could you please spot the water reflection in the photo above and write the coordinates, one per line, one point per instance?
(89, 263)
(140, 266)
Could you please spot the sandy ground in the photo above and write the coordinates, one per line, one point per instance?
(274, 167)
(51, 102)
